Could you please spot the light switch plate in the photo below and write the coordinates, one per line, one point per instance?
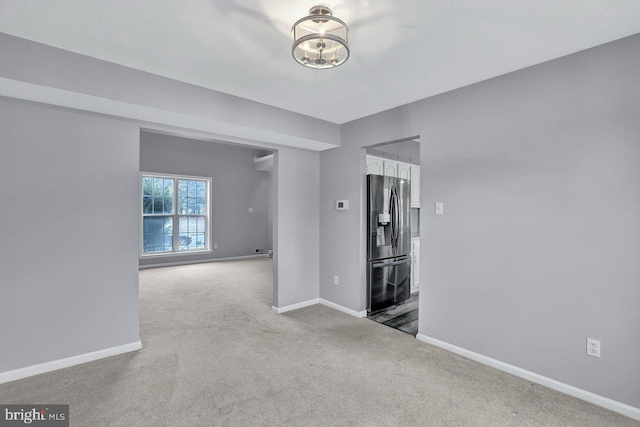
(439, 208)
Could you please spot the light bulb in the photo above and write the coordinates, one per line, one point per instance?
(322, 31)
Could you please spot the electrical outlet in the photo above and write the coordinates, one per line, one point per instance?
(215, 246)
(259, 250)
(593, 347)
(335, 280)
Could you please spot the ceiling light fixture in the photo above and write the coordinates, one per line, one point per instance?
(320, 40)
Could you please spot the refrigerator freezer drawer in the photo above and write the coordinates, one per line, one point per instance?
(388, 283)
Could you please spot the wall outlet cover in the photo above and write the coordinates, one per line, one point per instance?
(593, 347)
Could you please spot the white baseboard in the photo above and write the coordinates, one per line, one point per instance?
(358, 314)
(54, 365)
(324, 302)
(605, 402)
(199, 261)
(296, 306)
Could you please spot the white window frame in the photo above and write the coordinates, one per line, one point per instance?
(175, 215)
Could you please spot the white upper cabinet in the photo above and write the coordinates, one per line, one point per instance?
(390, 168)
(415, 186)
(404, 171)
(375, 165)
(379, 166)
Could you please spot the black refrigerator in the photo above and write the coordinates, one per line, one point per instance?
(388, 242)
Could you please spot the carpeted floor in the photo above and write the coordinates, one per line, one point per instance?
(215, 354)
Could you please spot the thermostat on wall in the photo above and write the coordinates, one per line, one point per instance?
(342, 205)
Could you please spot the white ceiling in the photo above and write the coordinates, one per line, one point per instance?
(402, 50)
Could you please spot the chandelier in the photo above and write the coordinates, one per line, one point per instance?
(320, 40)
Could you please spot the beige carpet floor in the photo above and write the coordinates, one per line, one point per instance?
(215, 354)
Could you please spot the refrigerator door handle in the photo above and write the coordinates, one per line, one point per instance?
(392, 211)
(396, 216)
(393, 219)
(391, 264)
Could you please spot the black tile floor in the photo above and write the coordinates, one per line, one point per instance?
(403, 317)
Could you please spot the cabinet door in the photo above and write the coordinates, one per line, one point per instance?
(390, 168)
(413, 273)
(415, 186)
(404, 171)
(375, 166)
(415, 265)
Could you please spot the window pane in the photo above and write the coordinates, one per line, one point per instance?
(168, 188)
(192, 197)
(157, 234)
(182, 196)
(168, 205)
(157, 243)
(147, 186)
(158, 205)
(193, 233)
(167, 242)
(201, 189)
(162, 205)
(200, 207)
(191, 188)
(157, 196)
(199, 241)
(182, 188)
(147, 205)
(201, 225)
(191, 205)
(158, 187)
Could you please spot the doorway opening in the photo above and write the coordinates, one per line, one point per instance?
(204, 201)
(393, 234)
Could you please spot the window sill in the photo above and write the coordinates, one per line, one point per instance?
(171, 254)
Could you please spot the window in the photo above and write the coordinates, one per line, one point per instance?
(175, 214)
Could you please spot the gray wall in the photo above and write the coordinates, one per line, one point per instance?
(270, 196)
(342, 237)
(44, 68)
(69, 233)
(39, 64)
(83, 294)
(236, 187)
(538, 248)
(297, 230)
